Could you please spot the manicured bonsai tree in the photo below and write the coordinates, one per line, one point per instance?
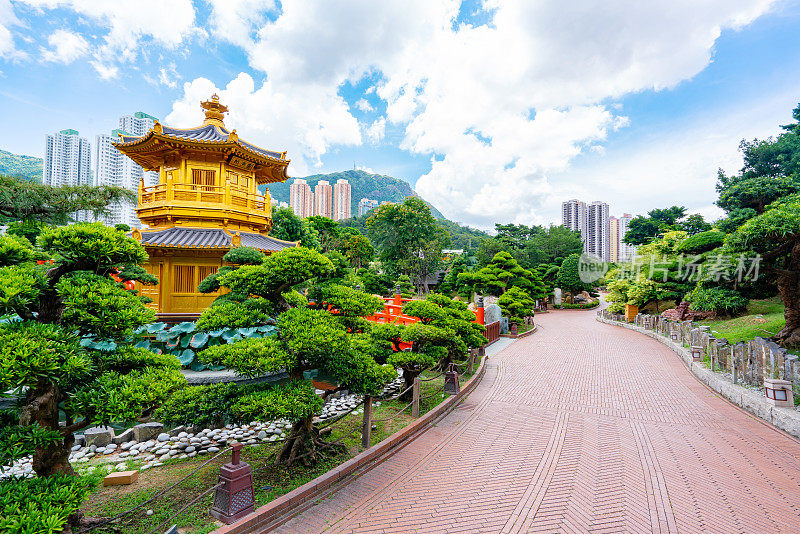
(324, 334)
(775, 236)
(59, 345)
(445, 332)
(516, 304)
(503, 272)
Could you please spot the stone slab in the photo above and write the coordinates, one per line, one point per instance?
(121, 478)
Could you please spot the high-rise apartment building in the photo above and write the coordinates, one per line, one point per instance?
(365, 205)
(341, 200)
(322, 198)
(113, 168)
(301, 200)
(613, 223)
(598, 232)
(626, 252)
(67, 162)
(66, 159)
(573, 216)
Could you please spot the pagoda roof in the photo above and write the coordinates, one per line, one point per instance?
(214, 238)
(144, 149)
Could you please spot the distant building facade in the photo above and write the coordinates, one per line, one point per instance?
(573, 216)
(341, 200)
(365, 205)
(301, 200)
(67, 158)
(323, 195)
(113, 168)
(626, 252)
(598, 239)
(614, 238)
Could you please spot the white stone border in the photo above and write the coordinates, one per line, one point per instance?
(786, 419)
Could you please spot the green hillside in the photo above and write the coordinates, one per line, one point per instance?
(362, 185)
(28, 167)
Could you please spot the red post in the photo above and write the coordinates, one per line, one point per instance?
(479, 311)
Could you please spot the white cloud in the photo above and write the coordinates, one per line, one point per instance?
(376, 131)
(65, 47)
(498, 107)
(105, 71)
(169, 76)
(130, 26)
(364, 106)
(7, 19)
(306, 121)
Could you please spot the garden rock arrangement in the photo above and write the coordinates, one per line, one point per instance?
(148, 445)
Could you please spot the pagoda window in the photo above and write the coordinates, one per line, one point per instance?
(203, 177)
(184, 280)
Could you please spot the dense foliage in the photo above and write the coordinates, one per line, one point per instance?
(408, 239)
(94, 380)
(325, 331)
(41, 505)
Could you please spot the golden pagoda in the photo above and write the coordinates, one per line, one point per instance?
(206, 202)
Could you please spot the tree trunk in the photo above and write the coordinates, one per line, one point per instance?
(789, 289)
(41, 407)
(408, 381)
(304, 444)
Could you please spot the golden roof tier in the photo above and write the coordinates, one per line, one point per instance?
(208, 177)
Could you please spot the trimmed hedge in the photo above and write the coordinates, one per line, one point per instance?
(581, 306)
(41, 505)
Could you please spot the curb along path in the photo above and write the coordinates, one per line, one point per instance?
(582, 427)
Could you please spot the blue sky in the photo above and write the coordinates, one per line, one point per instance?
(495, 111)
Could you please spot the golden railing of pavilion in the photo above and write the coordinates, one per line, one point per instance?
(230, 195)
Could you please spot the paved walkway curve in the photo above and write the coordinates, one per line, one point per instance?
(582, 427)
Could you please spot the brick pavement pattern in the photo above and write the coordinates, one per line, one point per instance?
(582, 427)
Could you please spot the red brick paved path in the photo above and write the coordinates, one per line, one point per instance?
(582, 427)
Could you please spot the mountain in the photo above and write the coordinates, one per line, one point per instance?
(362, 185)
(28, 167)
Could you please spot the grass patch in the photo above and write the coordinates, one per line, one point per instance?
(763, 318)
(269, 481)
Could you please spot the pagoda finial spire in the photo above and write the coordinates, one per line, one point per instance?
(215, 112)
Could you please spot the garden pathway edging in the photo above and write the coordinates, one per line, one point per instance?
(785, 419)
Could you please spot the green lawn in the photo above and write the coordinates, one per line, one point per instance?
(763, 318)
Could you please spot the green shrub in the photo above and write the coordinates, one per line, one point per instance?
(583, 306)
(208, 406)
(718, 299)
(40, 505)
(702, 242)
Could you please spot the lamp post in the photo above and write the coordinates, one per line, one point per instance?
(234, 497)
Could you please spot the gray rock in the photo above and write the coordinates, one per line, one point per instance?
(123, 438)
(177, 431)
(147, 431)
(99, 436)
(80, 440)
(111, 447)
(76, 448)
(127, 445)
(164, 457)
(189, 449)
(163, 437)
(213, 450)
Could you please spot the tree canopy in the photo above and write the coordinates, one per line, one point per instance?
(69, 352)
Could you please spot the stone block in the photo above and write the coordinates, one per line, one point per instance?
(147, 431)
(787, 420)
(121, 478)
(99, 436)
(491, 313)
(123, 438)
(757, 405)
